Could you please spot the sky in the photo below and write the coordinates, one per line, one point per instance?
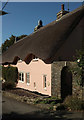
(24, 16)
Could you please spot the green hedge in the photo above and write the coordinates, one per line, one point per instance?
(10, 74)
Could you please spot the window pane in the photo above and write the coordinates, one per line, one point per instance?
(19, 76)
(28, 77)
(22, 77)
(44, 81)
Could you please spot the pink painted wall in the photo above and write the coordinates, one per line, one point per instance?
(36, 69)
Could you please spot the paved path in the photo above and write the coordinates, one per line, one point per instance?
(14, 110)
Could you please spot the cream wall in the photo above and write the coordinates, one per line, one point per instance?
(36, 69)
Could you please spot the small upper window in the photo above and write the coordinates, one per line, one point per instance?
(35, 59)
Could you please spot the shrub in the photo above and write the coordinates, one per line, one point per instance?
(61, 107)
(8, 85)
(53, 102)
(46, 101)
(37, 101)
(51, 108)
(52, 98)
(74, 103)
(41, 101)
(10, 74)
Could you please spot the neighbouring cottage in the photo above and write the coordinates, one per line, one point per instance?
(55, 46)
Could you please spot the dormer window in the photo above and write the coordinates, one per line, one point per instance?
(35, 59)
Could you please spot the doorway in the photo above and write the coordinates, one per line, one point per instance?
(66, 82)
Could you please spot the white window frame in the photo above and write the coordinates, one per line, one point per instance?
(22, 77)
(28, 78)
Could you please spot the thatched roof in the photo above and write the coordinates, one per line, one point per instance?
(56, 41)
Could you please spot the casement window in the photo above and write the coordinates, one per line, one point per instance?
(21, 76)
(44, 81)
(28, 78)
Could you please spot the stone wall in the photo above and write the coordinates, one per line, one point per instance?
(77, 89)
(56, 69)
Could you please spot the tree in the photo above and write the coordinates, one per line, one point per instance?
(78, 68)
(10, 42)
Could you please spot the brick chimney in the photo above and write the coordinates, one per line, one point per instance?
(62, 7)
(62, 12)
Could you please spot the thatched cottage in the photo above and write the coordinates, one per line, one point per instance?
(44, 56)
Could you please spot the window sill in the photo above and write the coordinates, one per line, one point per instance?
(28, 84)
(45, 89)
(34, 60)
(21, 81)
